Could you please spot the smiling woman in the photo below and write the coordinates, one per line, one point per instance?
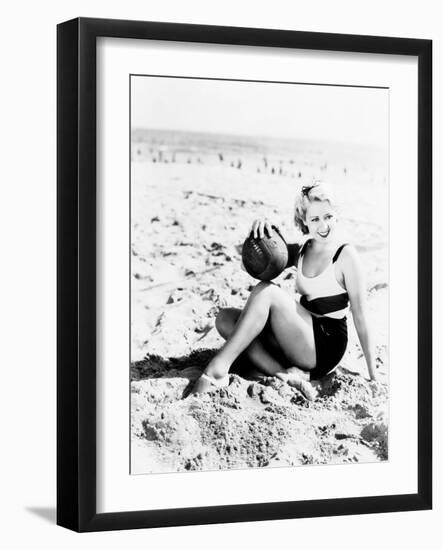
(321, 220)
(320, 199)
(305, 340)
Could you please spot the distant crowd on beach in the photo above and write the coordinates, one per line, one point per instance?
(261, 164)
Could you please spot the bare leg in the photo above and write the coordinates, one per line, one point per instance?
(264, 352)
(291, 327)
(293, 333)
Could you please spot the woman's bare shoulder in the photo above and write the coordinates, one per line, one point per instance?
(349, 253)
(349, 260)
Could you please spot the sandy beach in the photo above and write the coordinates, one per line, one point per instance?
(193, 199)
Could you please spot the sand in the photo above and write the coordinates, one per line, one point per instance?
(190, 215)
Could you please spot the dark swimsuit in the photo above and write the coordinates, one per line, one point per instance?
(328, 302)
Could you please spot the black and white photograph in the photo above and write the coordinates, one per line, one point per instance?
(222, 247)
(259, 274)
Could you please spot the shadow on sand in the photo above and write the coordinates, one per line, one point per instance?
(186, 366)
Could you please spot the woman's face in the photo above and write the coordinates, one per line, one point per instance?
(321, 220)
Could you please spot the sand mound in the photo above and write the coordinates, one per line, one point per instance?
(251, 423)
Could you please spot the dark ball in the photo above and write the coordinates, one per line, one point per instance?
(265, 258)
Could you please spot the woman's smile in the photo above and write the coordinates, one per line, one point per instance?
(321, 220)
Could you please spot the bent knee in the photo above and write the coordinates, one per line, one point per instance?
(270, 289)
(275, 296)
(264, 286)
(225, 321)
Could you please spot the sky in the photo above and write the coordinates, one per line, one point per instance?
(295, 111)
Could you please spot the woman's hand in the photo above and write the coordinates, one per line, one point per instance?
(373, 377)
(378, 387)
(261, 228)
(377, 376)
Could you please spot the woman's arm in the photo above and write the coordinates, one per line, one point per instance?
(355, 285)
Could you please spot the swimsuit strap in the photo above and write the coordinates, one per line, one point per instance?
(303, 248)
(337, 254)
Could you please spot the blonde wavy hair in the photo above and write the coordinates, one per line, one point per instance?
(318, 191)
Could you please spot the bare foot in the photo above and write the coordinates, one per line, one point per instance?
(304, 374)
(206, 384)
(295, 380)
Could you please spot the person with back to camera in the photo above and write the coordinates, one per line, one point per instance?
(299, 341)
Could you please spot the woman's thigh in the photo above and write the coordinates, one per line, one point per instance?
(292, 328)
(288, 331)
(228, 317)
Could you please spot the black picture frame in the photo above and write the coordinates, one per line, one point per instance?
(76, 273)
